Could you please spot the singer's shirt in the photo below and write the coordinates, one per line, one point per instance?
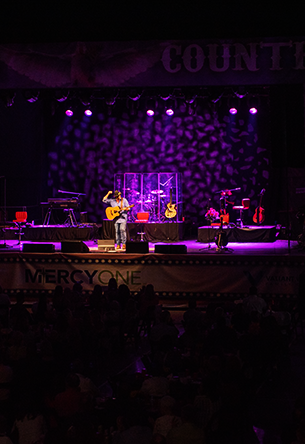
(122, 204)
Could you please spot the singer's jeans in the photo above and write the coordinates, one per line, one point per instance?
(120, 232)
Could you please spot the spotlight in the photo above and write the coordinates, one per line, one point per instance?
(233, 105)
(253, 105)
(233, 110)
(150, 107)
(169, 107)
(88, 112)
(240, 92)
(190, 101)
(111, 96)
(69, 112)
(134, 95)
(85, 98)
(31, 96)
(8, 98)
(215, 94)
(61, 95)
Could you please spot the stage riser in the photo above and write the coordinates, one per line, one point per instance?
(59, 233)
(251, 234)
(153, 232)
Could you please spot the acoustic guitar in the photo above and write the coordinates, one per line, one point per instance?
(113, 212)
(259, 215)
(170, 211)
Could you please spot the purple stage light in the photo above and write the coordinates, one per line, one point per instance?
(150, 112)
(69, 112)
(253, 110)
(233, 111)
(88, 112)
(169, 111)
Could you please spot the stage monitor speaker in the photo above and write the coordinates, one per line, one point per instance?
(74, 246)
(105, 244)
(137, 247)
(38, 248)
(170, 249)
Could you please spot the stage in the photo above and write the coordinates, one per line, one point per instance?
(202, 272)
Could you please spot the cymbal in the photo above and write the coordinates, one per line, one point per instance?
(126, 189)
(157, 192)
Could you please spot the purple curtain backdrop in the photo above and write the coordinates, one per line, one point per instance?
(211, 149)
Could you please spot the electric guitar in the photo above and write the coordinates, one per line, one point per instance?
(259, 215)
(171, 208)
(113, 212)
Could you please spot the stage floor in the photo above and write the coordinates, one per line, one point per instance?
(275, 268)
(279, 247)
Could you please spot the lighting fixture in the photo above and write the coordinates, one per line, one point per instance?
(150, 107)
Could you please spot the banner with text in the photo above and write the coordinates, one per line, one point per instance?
(153, 63)
(171, 277)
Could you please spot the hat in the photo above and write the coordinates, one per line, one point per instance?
(117, 194)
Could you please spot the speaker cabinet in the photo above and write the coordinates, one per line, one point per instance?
(170, 249)
(74, 246)
(137, 247)
(38, 248)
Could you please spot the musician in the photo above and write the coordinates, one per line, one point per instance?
(120, 224)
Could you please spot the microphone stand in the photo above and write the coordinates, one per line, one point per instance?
(4, 245)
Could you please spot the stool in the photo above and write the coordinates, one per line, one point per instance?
(142, 218)
(21, 218)
(245, 206)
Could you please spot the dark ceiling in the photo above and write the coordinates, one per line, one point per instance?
(30, 21)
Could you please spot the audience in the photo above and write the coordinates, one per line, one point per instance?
(197, 386)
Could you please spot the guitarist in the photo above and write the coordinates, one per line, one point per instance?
(120, 223)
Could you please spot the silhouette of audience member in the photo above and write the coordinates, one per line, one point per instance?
(95, 298)
(68, 403)
(5, 303)
(20, 318)
(4, 439)
(148, 301)
(188, 432)
(42, 310)
(133, 427)
(111, 292)
(29, 425)
(123, 295)
(254, 302)
(57, 298)
(193, 317)
(164, 328)
(167, 419)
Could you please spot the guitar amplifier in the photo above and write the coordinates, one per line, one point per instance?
(105, 244)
